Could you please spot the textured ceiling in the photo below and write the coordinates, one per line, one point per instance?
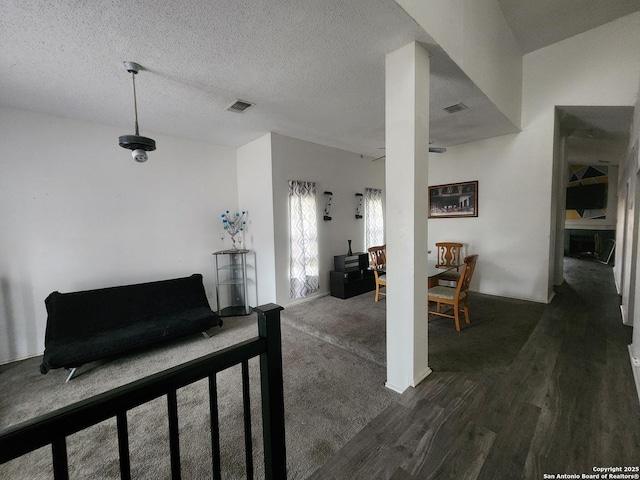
(595, 135)
(315, 69)
(538, 23)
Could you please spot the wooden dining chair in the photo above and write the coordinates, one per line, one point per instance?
(378, 256)
(454, 298)
(448, 253)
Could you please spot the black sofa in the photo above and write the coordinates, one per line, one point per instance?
(93, 324)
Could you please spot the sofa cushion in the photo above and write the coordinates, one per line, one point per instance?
(91, 311)
(88, 325)
(74, 351)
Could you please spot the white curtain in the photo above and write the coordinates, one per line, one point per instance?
(374, 220)
(303, 219)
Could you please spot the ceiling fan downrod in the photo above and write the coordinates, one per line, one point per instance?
(138, 144)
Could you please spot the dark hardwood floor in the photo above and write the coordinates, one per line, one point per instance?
(566, 404)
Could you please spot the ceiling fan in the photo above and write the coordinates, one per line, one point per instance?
(138, 145)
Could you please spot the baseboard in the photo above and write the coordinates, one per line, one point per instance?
(635, 367)
(395, 388)
(421, 377)
(8, 362)
(306, 299)
(512, 297)
(623, 314)
(551, 297)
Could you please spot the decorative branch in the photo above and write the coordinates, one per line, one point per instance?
(327, 207)
(358, 205)
(234, 224)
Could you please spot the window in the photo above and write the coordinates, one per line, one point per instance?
(374, 220)
(303, 220)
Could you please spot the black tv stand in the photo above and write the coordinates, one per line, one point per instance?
(351, 276)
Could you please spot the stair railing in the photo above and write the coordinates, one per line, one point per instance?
(53, 428)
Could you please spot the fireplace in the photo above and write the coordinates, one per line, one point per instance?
(580, 244)
(583, 242)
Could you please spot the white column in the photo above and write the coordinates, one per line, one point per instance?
(407, 152)
(255, 195)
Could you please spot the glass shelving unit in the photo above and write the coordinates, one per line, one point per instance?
(232, 282)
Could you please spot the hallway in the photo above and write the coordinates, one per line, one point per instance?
(567, 404)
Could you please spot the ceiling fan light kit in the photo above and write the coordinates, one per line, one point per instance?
(138, 144)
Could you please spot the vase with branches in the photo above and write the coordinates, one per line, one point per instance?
(233, 224)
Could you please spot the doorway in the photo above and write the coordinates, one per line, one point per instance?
(590, 143)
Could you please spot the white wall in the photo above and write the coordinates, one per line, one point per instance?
(628, 247)
(512, 232)
(78, 213)
(255, 195)
(341, 172)
(626, 205)
(475, 35)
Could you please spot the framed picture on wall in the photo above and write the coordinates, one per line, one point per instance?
(454, 200)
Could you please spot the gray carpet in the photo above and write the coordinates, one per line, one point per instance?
(333, 360)
(357, 324)
(330, 394)
(499, 327)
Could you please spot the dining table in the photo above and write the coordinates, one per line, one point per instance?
(434, 271)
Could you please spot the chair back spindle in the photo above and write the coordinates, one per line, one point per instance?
(467, 274)
(378, 257)
(448, 253)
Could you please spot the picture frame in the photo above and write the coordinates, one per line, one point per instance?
(454, 200)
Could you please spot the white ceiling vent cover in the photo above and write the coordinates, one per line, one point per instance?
(239, 106)
(458, 107)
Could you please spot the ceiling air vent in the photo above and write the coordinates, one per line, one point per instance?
(458, 107)
(239, 106)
